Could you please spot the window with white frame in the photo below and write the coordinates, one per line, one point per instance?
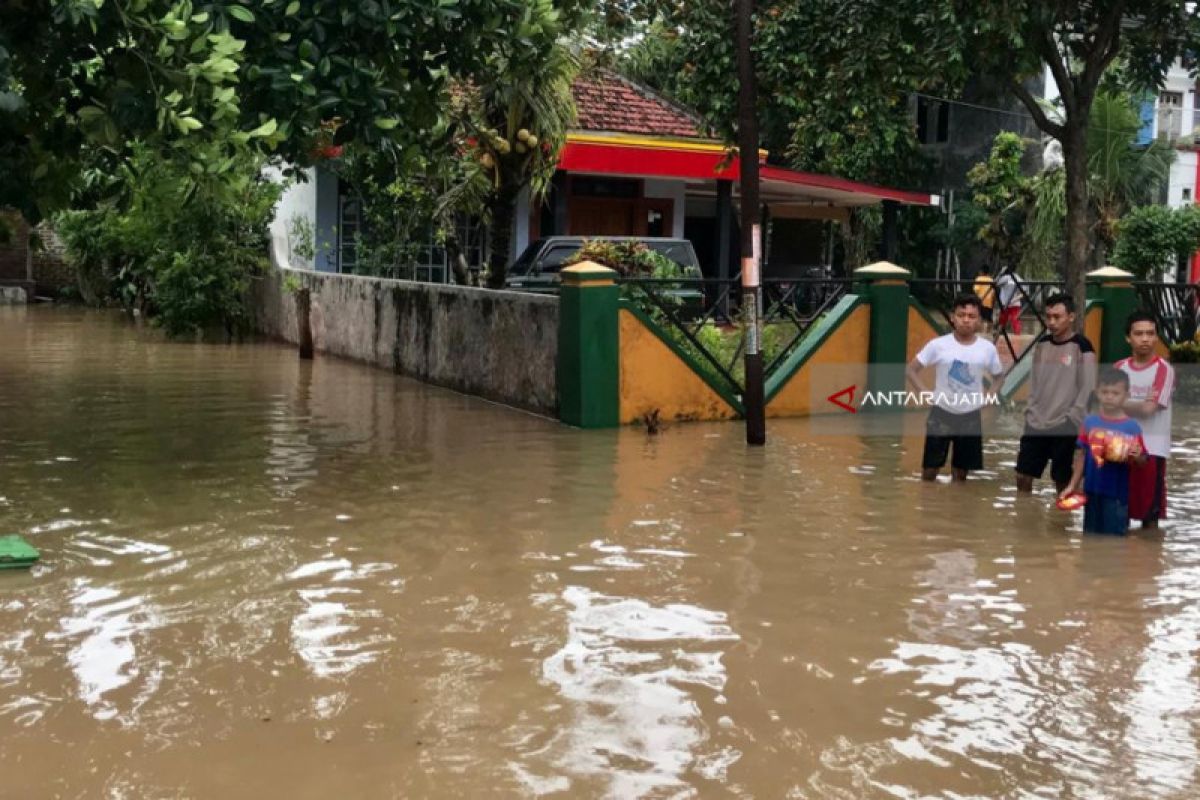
(432, 262)
(1170, 115)
(349, 225)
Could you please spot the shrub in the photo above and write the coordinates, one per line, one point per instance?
(176, 246)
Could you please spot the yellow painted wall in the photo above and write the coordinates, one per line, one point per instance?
(839, 362)
(1091, 329)
(652, 377)
(1092, 320)
(919, 333)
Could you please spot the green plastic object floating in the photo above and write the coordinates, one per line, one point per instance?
(16, 553)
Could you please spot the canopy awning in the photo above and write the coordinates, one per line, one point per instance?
(693, 160)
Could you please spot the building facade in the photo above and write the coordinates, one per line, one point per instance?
(635, 164)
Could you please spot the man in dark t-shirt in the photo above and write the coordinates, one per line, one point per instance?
(1064, 374)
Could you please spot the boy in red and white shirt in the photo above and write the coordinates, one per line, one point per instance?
(1151, 384)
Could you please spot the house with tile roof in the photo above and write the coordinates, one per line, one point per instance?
(635, 164)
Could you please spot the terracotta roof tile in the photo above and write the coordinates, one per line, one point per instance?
(607, 102)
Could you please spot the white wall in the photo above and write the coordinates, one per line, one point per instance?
(520, 238)
(1181, 191)
(299, 200)
(673, 190)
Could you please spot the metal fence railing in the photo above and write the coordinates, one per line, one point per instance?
(1175, 306)
(938, 295)
(703, 317)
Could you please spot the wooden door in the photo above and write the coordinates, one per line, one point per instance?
(603, 216)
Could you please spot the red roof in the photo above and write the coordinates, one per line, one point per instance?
(607, 102)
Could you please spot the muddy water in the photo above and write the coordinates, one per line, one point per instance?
(263, 578)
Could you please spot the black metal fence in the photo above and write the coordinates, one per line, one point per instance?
(939, 294)
(1176, 307)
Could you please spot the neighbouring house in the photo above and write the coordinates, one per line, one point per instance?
(1171, 115)
(635, 164)
(32, 258)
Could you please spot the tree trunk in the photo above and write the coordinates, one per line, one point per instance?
(504, 209)
(454, 254)
(1075, 163)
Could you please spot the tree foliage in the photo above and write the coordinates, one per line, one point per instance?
(1153, 238)
(512, 124)
(198, 80)
(835, 77)
(1001, 191)
(1078, 41)
(181, 253)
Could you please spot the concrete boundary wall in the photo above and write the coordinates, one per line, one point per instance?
(502, 346)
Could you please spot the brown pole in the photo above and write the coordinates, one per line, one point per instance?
(304, 322)
(747, 138)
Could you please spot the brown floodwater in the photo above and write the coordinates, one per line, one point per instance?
(267, 578)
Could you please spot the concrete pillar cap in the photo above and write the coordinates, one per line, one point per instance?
(1110, 273)
(588, 272)
(882, 269)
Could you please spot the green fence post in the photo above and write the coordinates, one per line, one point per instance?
(1114, 289)
(885, 287)
(588, 347)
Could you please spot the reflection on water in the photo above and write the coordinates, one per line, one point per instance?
(631, 672)
(269, 578)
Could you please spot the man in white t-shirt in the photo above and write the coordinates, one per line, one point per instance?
(1151, 384)
(961, 359)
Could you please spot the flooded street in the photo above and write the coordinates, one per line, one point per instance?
(267, 578)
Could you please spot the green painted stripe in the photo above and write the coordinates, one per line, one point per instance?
(812, 343)
(723, 392)
(924, 312)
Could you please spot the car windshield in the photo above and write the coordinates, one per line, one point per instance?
(558, 254)
(523, 264)
(679, 252)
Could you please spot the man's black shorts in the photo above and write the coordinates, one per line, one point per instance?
(986, 314)
(964, 431)
(1055, 446)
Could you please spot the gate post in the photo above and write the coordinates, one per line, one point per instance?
(588, 347)
(885, 286)
(1113, 287)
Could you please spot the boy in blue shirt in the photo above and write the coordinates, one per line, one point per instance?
(1108, 443)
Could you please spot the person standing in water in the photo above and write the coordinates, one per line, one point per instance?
(1064, 374)
(1151, 384)
(961, 359)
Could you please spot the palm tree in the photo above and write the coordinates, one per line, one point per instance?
(515, 118)
(1122, 174)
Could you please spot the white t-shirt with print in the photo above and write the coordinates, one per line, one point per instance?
(1154, 381)
(960, 370)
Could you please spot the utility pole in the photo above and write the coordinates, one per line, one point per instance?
(747, 137)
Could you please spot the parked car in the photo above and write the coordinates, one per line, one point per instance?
(537, 268)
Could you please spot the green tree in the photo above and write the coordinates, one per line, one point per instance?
(999, 188)
(1016, 40)
(1152, 238)
(513, 122)
(1121, 174)
(183, 252)
(188, 76)
(835, 77)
